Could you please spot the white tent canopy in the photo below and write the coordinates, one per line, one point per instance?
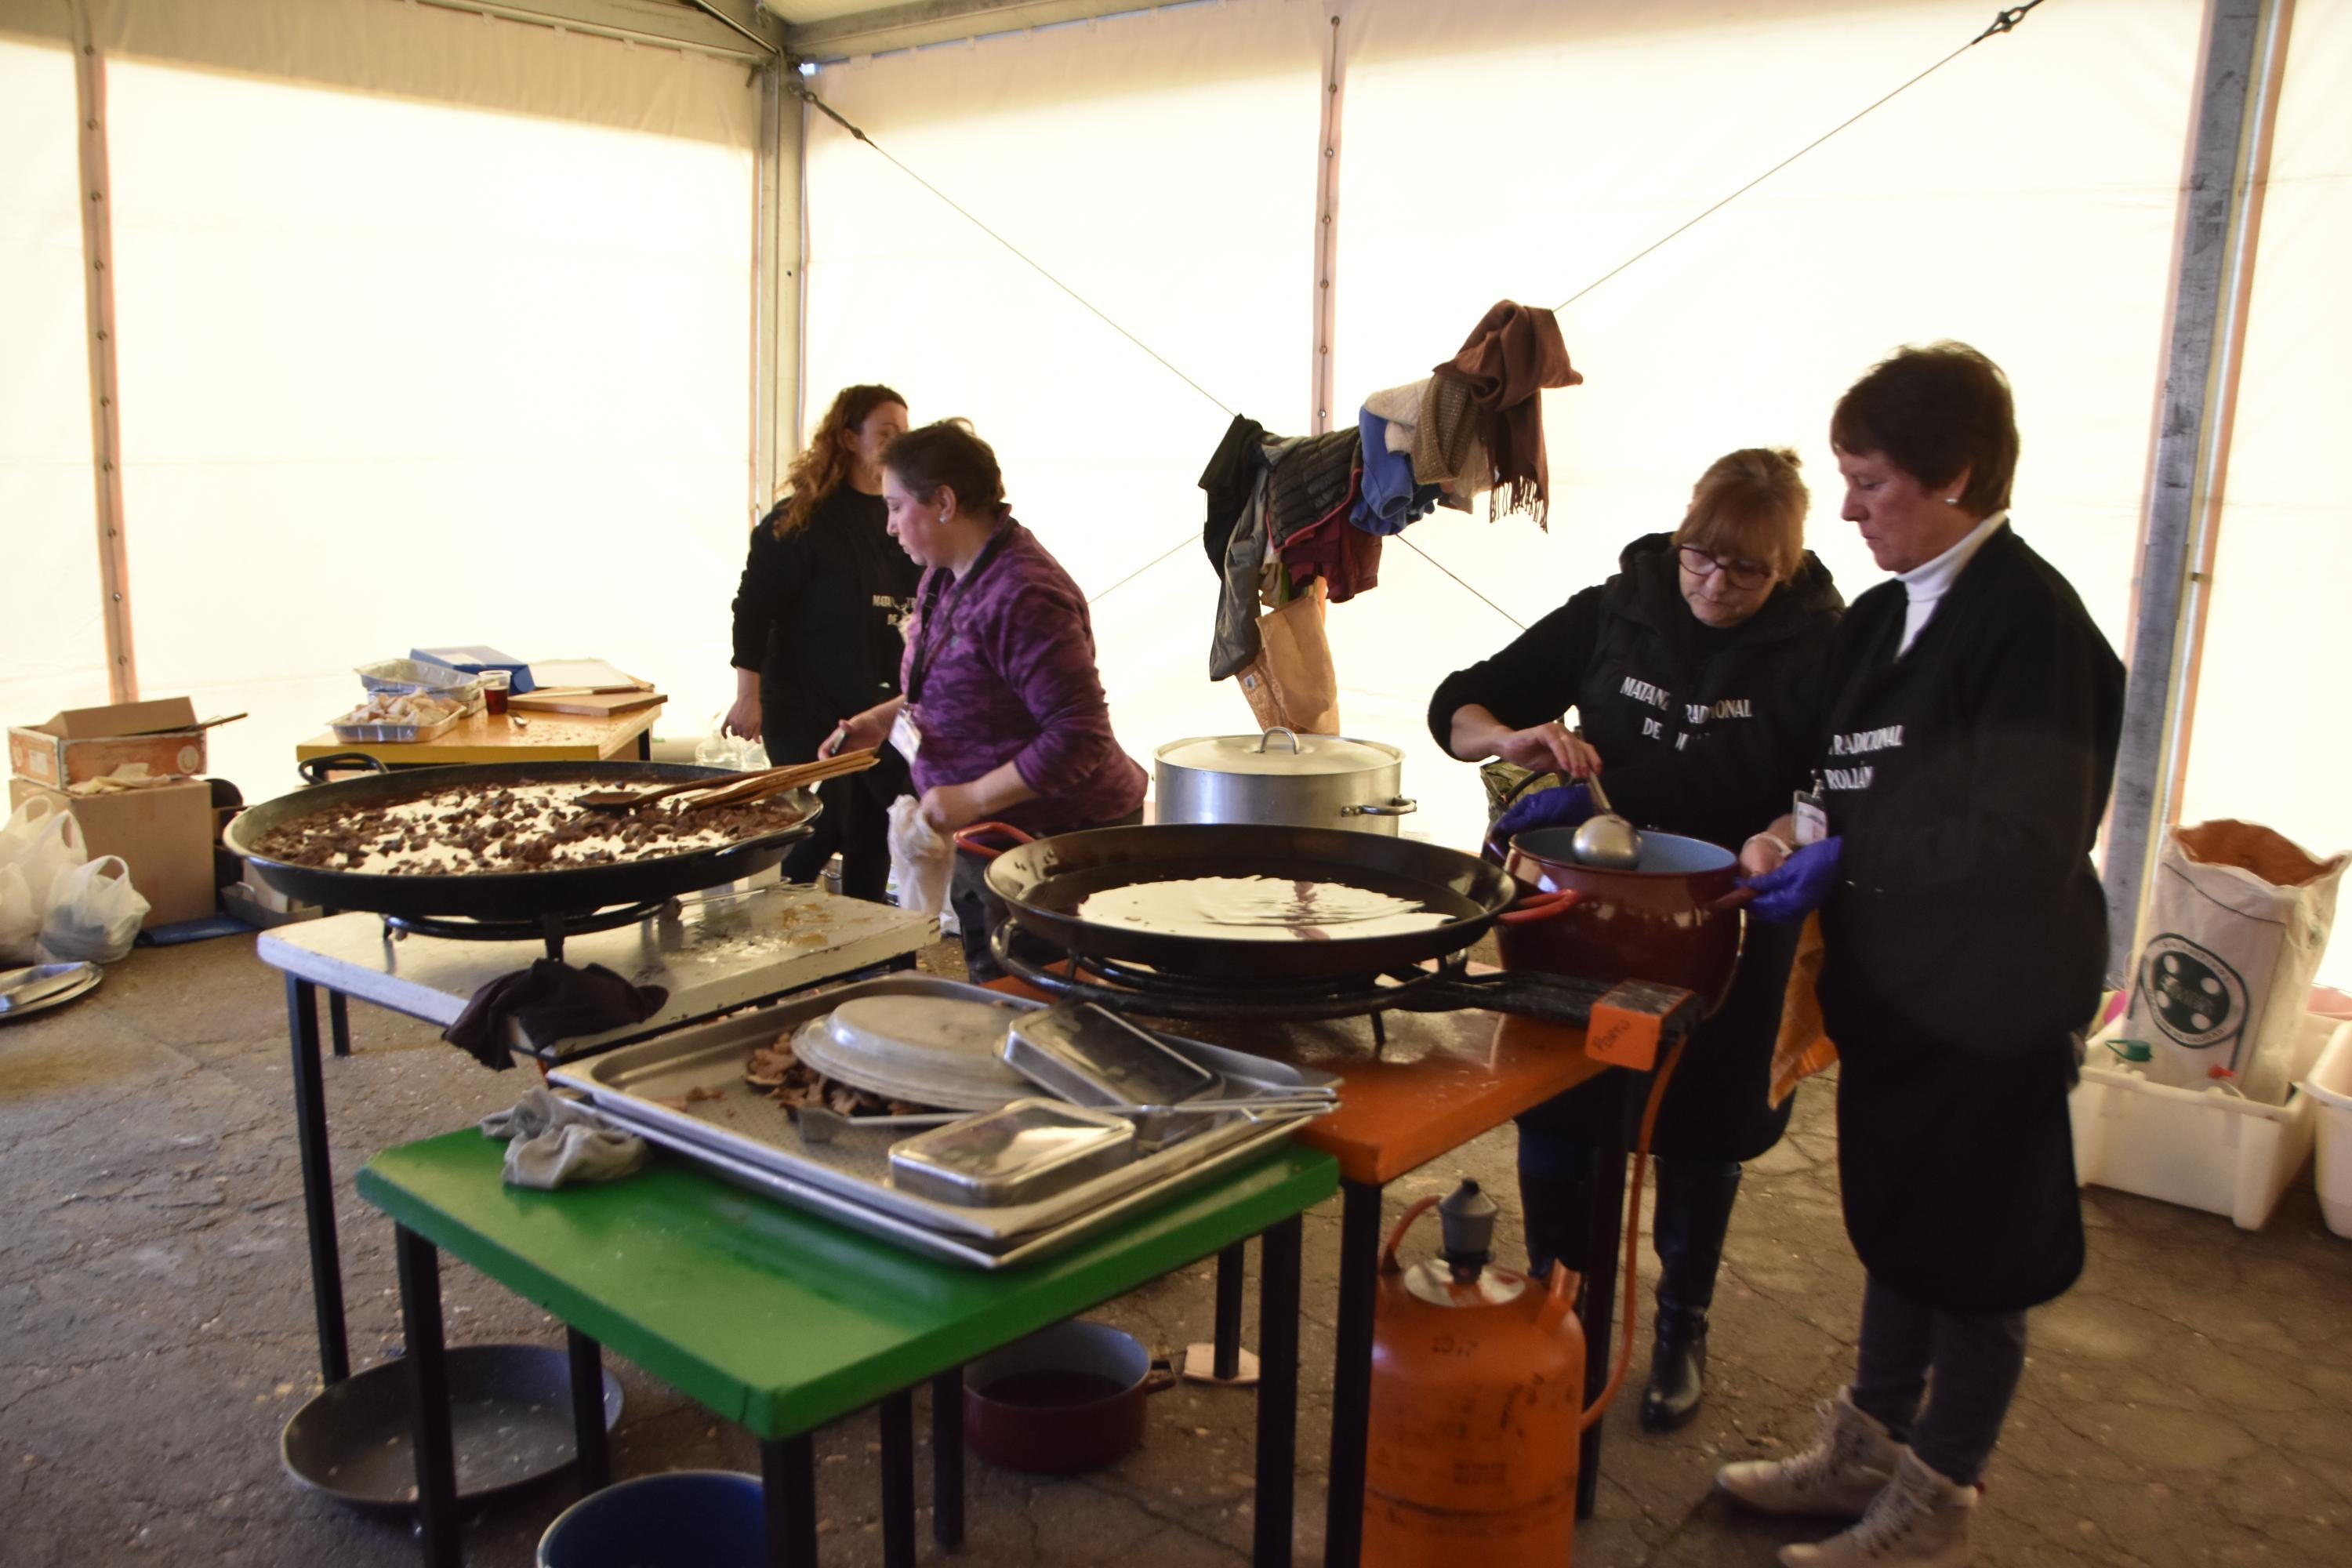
(439, 323)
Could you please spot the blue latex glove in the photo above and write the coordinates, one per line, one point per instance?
(1800, 885)
(1564, 805)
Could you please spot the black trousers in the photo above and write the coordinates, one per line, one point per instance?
(854, 826)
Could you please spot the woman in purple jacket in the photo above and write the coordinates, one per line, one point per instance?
(1004, 716)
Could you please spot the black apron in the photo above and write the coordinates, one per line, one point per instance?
(1955, 1145)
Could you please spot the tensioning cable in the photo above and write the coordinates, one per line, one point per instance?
(2004, 21)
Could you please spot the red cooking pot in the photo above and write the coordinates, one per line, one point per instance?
(1065, 1399)
(1673, 919)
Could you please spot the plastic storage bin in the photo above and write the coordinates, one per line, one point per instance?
(2330, 1090)
(2207, 1149)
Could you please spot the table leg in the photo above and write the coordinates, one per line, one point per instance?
(339, 1022)
(899, 1480)
(1278, 1391)
(947, 1459)
(1232, 1265)
(318, 1178)
(1605, 1239)
(1351, 1372)
(588, 1439)
(645, 744)
(788, 1485)
(428, 1392)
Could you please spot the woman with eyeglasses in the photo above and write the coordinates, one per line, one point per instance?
(1695, 671)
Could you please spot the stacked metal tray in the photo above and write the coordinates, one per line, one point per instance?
(744, 1137)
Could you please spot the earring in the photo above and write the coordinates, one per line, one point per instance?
(1951, 500)
(944, 517)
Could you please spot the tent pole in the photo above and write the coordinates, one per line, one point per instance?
(775, 306)
(2230, 361)
(2189, 455)
(1326, 232)
(105, 399)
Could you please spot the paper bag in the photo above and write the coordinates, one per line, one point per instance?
(2237, 920)
(1291, 683)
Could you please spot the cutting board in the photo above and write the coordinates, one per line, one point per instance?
(594, 704)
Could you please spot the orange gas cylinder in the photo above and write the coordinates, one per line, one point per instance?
(1477, 1401)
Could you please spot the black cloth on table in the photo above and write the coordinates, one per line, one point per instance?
(551, 1001)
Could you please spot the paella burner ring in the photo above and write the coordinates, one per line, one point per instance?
(551, 929)
(1445, 986)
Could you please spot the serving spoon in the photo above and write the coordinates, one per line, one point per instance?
(1606, 840)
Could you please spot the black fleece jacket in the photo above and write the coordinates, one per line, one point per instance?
(817, 615)
(1701, 732)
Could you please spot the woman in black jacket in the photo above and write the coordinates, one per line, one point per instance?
(816, 629)
(1974, 710)
(1695, 670)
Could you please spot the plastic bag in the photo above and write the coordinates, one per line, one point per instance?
(2237, 921)
(93, 914)
(37, 845)
(20, 919)
(921, 860)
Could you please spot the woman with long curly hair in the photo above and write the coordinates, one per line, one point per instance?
(817, 629)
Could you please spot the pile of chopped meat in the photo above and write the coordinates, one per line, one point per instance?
(523, 826)
(790, 1082)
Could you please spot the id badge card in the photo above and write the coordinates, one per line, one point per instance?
(1811, 813)
(906, 736)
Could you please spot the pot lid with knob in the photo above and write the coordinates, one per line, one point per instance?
(1279, 752)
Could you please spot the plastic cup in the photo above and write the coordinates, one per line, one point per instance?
(494, 683)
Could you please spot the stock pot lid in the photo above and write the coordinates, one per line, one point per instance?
(1280, 753)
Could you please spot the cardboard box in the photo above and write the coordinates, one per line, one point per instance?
(90, 743)
(163, 834)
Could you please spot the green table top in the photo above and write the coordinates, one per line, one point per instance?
(774, 1317)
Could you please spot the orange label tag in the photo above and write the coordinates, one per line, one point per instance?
(1627, 1024)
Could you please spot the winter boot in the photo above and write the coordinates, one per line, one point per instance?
(1920, 1521)
(1693, 1214)
(1840, 1476)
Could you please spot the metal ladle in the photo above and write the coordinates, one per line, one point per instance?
(1606, 840)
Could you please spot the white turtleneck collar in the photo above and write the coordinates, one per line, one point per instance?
(1924, 586)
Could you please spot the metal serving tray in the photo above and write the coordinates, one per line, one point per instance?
(967, 1251)
(747, 1127)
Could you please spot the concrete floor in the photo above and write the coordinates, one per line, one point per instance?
(2187, 1403)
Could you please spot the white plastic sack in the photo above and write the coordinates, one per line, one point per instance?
(921, 860)
(20, 919)
(93, 914)
(2238, 922)
(40, 843)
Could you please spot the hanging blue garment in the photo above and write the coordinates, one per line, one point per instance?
(1390, 500)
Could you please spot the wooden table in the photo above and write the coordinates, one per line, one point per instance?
(1433, 1082)
(481, 738)
(783, 1321)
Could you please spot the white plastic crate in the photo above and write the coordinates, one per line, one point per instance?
(2330, 1087)
(2207, 1149)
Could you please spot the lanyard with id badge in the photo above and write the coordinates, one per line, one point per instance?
(1811, 812)
(906, 731)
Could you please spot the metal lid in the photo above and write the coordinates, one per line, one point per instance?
(1279, 752)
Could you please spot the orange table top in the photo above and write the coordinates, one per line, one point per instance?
(1441, 1080)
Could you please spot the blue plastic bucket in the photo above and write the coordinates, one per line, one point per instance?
(687, 1519)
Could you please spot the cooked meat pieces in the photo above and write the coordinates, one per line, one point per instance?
(523, 827)
(792, 1083)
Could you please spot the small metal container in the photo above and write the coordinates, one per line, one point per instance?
(1090, 1055)
(1029, 1150)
